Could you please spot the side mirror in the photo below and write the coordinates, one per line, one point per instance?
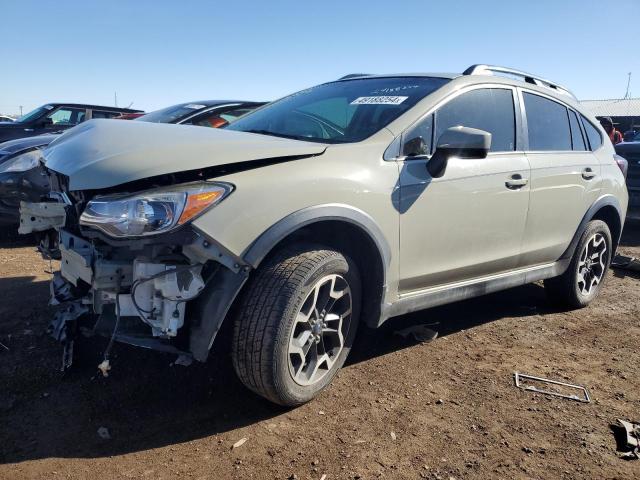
(461, 142)
(415, 147)
(46, 122)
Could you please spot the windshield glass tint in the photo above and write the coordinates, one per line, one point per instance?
(339, 112)
(37, 113)
(171, 114)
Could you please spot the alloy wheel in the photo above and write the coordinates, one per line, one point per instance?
(320, 329)
(592, 264)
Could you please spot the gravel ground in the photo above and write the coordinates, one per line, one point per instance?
(399, 409)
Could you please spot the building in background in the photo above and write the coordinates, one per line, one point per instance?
(625, 112)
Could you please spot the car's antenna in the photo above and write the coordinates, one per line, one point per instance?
(627, 94)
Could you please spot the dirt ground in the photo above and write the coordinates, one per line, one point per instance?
(399, 409)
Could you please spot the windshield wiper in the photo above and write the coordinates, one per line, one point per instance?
(276, 134)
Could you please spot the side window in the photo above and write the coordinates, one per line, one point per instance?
(548, 124)
(103, 114)
(218, 119)
(576, 132)
(67, 116)
(488, 109)
(419, 139)
(595, 139)
(236, 113)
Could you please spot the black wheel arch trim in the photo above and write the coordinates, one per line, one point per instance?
(607, 200)
(212, 307)
(259, 249)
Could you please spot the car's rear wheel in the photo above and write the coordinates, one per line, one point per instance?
(581, 283)
(296, 323)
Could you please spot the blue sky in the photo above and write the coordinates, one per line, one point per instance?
(156, 53)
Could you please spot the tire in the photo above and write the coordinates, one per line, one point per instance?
(568, 290)
(270, 332)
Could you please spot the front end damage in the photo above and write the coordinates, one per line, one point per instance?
(119, 217)
(168, 292)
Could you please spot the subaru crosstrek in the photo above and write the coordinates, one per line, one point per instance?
(350, 202)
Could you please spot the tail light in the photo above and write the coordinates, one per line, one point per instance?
(623, 164)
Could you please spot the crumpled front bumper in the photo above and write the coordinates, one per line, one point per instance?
(168, 294)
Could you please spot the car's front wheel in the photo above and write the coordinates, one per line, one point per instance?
(583, 279)
(296, 323)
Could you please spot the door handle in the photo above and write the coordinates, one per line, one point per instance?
(28, 129)
(515, 182)
(588, 174)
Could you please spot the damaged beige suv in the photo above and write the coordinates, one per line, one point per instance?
(350, 202)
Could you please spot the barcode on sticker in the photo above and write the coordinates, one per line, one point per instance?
(379, 100)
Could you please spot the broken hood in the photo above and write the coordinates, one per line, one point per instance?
(104, 153)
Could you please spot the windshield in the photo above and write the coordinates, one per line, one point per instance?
(37, 113)
(171, 114)
(339, 112)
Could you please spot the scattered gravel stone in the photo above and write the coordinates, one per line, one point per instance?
(240, 442)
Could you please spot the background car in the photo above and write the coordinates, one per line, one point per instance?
(20, 179)
(631, 152)
(55, 117)
(6, 119)
(204, 113)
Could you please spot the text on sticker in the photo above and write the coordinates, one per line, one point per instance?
(379, 100)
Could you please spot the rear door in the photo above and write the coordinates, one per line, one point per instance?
(468, 223)
(565, 176)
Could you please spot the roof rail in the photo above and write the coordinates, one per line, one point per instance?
(526, 77)
(354, 75)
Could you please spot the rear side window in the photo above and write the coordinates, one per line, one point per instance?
(548, 124)
(576, 132)
(102, 114)
(488, 109)
(595, 139)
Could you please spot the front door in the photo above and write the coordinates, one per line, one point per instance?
(468, 223)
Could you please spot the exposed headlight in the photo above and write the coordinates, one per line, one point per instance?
(23, 162)
(153, 211)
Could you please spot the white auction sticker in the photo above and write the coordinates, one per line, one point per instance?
(194, 106)
(379, 100)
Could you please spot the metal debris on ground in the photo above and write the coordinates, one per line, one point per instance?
(104, 367)
(628, 439)
(521, 379)
(626, 263)
(421, 333)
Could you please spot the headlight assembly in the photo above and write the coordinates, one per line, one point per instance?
(153, 211)
(23, 162)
